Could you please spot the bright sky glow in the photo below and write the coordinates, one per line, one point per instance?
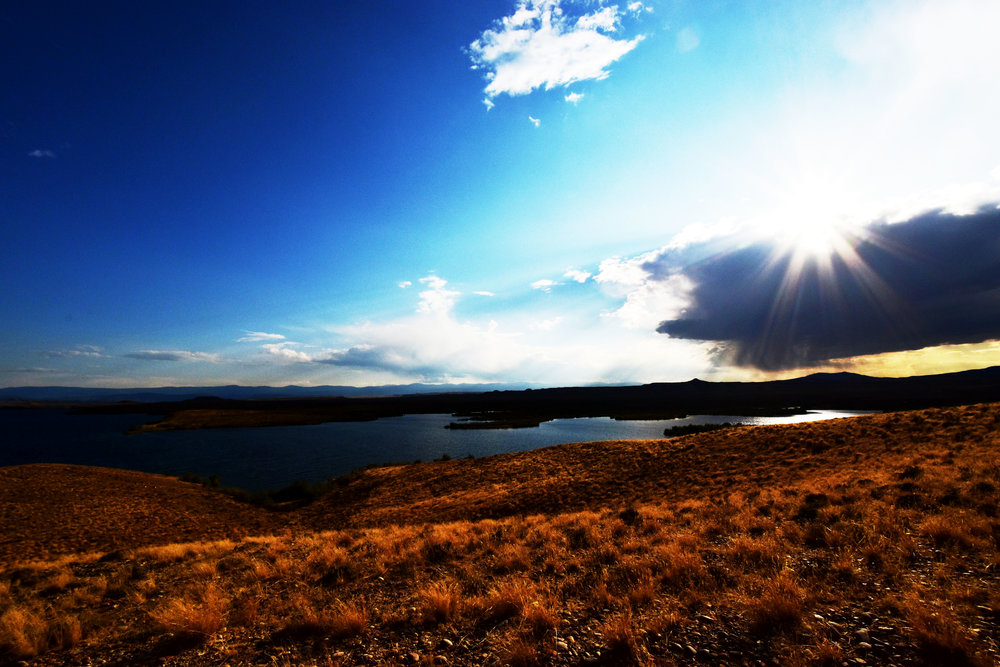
(496, 192)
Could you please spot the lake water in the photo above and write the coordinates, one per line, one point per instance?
(272, 457)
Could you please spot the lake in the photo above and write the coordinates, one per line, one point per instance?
(272, 457)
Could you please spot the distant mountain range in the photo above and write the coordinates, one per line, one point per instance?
(235, 392)
(497, 403)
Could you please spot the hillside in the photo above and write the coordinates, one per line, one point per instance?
(868, 539)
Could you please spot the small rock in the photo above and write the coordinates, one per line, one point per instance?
(414, 656)
(440, 660)
(447, 643)
(561, 645)
(862, 634)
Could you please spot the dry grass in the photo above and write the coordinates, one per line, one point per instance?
(885, 525)
(779, 606)
(198, 615)
(440, 601)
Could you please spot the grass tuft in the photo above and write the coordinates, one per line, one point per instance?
(194, 616)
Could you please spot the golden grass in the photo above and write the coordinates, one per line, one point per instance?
(902, 544)
(198, 614)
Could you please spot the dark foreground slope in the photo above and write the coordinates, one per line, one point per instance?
(870, 539)
(49, 510)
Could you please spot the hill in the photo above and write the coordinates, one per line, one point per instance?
(511, 409)
(874, 538)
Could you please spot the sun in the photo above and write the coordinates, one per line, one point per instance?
(816, 239)
(811, 220)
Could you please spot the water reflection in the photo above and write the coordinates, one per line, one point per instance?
(262, 458)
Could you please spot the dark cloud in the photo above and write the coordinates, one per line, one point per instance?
(153, 355)
(931, 280)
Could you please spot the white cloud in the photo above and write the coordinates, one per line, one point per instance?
(436, 300)
(638, 7)
(484, 293)
(687, 40)
(175, 355)
(544, 284)
(257, 336)
(535, 121)
(541, 46)
(42, 153)
(548, 325)
(285, 352)
(577, 275)
(405, 283)
(565, 345)
(92, 351)
(433, 346)
(438, 347)
(649, 298)
(605, 19)
(573, 98)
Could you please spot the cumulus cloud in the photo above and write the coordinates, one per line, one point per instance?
(285, 351)
(933, 279)
(435, 344)
(650, 286)
(42, 153)
(541, 45)
(436, 299)
(573, 98)
(432, 344)
(577, 275)
(258, 336)
(405, 283)
(174, 355)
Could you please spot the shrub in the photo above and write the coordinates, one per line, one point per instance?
(193, 617)
(440, 601)
(341, 620)
(620, 637)
(939, 637)
(22, 633)
(779, 607)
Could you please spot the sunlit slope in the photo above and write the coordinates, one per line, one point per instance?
(613, 474)
(55, 509)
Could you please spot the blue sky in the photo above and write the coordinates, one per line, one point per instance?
(548, 192)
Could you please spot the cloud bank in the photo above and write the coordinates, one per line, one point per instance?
(933, 279)
(541, 45)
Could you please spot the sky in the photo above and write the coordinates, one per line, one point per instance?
(546, 192)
